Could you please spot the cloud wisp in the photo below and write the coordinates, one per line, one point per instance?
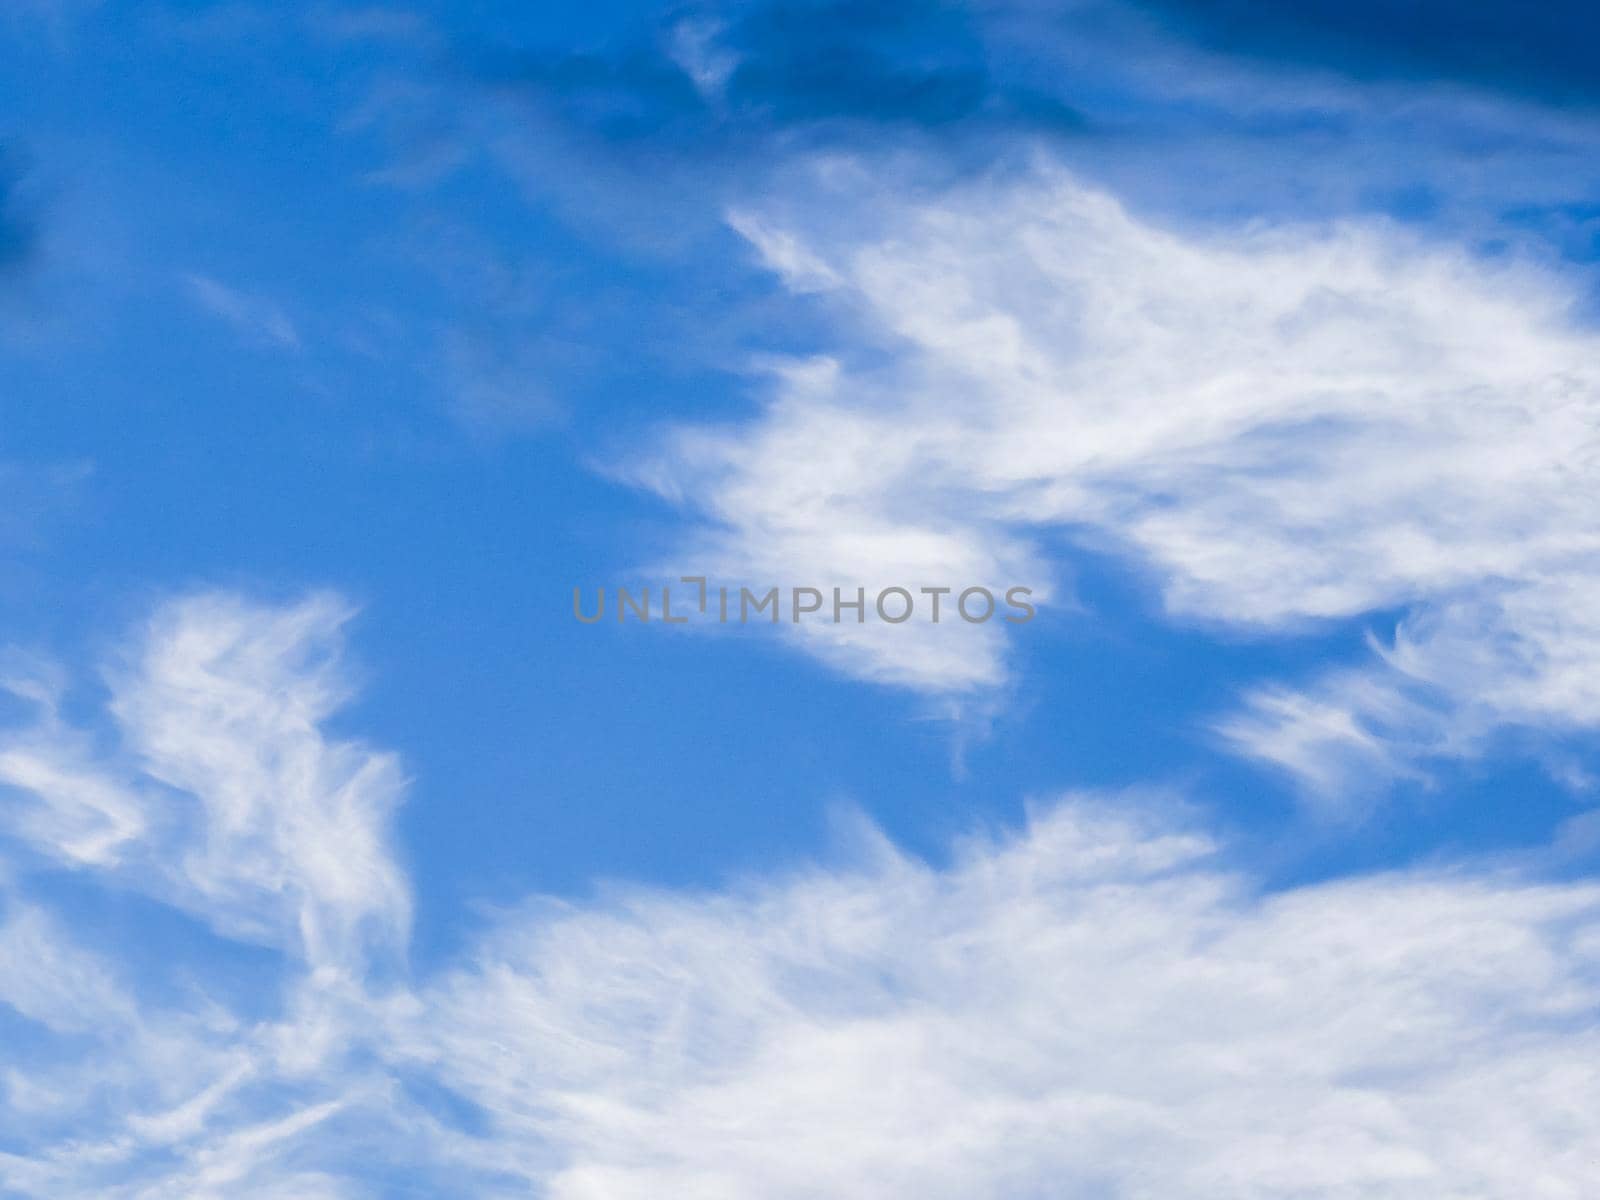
(256, 319)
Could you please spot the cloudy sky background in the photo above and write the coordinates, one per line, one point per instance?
(338, 344)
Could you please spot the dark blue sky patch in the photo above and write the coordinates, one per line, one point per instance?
(623, 97)
(1545, 51)
(832, 71)
(16, 220)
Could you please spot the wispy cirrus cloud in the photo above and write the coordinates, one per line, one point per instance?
(1281, 424)
(223, 798)
(1097, 1001)
(256, 319)
(218, 797)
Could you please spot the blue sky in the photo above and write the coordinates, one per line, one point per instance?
(338, 344)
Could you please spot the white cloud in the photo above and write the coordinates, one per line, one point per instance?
(1096, 1004)
(1282, 424)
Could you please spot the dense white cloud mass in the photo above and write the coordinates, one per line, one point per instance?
(1282, 425)
(1091, 1008)
(1095, 1005)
